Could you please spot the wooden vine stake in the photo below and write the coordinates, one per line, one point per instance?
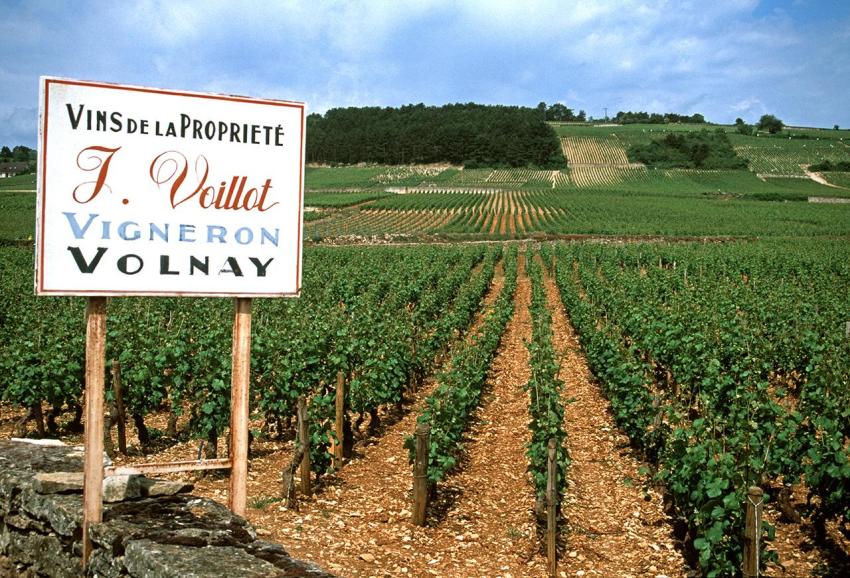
(422, 438)
(93, 461)
(752, 532)
(239, 382)
(339, 423)
(304, 442)
(551, 509)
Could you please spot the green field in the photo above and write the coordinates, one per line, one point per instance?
(18, 216)
(20, 182)
(600, 193)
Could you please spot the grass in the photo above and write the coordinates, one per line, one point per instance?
(340, 177)
(18, 215)
(260, 503)
(839, 179)
(19, 182)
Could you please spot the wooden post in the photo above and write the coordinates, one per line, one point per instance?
(119, 406)
(847, 329)
(240, 379)
(752, 532)
(95, 377)
(340, 420)
(422, 437)
(551, 508)
(304, 440)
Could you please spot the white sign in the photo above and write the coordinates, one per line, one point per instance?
(145, 191)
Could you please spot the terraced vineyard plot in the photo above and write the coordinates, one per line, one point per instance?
(591, 151)
(412, 175)
(379, 222)
(606, 176)
(341, 178)
(769, 157)
(680, 203)
(341, 199)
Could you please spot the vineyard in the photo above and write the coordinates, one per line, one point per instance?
(600, 193)
(591, 151)
(631, 348)
(716, 210)
(724, 364)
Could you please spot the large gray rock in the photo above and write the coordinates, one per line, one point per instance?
(47, 555)
(153, 560)
(120, 488)
(63, 512)
(58, 482)
(103, 564)
(152, 488)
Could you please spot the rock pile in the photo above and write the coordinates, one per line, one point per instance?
(150, 528)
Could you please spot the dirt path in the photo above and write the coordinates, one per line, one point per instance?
(819, 178)
(359, 523)
(481, 523)
(613, 530)
(493, 511)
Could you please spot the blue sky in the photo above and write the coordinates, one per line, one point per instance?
(722, 58)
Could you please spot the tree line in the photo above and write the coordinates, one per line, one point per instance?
(641, 117)
(18, 154)
(559, 112)
(468, 134)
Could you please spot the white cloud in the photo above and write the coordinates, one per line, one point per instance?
(660, 55)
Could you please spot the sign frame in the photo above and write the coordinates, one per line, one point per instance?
(49, 110)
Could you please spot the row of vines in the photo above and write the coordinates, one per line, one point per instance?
(728, 366)
(460, 385)
(382, 331)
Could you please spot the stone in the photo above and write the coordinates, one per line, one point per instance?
(120, 488)
(63, 512)
(58, 482)
(367, 557)
(152, 560)
(42, 442)
(46, 554)
(80, 452)
(104, 564)
(162, 535)
(25, 523)
(8, 567)
(152, 487)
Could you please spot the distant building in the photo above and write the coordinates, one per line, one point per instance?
(12, 169)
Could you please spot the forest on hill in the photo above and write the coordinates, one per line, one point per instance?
(468, 134)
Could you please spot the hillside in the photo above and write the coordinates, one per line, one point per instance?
(600, 192)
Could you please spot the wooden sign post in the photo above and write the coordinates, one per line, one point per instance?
(155, 192)
(239, 387)
(95, 371)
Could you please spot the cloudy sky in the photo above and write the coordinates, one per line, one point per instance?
(722, 58)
